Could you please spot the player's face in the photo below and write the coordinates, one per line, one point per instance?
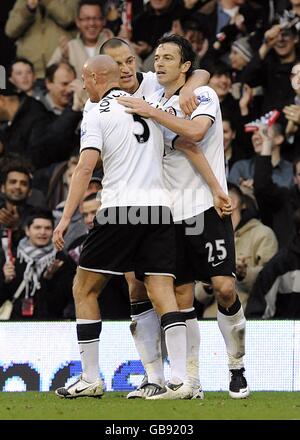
(167, 64)
(127, 65)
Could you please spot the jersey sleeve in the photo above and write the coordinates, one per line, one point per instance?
(208, 103)
(91, 133)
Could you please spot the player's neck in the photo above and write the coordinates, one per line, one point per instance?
(170, 89)
(110, 86)
(134, 88)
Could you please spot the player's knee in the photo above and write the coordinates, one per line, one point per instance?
(80, 291)
(184, 296)
(225, 290)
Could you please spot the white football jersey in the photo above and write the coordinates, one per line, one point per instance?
(190, 194)
(131, 149)
(148, 85)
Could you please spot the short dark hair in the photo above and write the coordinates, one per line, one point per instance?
(219, 68)
(89, 2)
(16, 167)
(112, 43)
(186, 49)
(50, 71)
(295, 163)
(194, 23)
(39, 213)
(19, 60)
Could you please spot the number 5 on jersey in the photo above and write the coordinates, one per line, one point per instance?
(144, 136)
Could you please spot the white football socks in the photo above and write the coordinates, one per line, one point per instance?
(146, 332)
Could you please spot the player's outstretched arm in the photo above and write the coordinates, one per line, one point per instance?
(188, 101)
(79, 184)
(222, 201)
(192, 129)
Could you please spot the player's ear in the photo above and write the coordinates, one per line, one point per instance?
(185, 66)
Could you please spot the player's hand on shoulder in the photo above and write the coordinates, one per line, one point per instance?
(188, 101)
(136, 105)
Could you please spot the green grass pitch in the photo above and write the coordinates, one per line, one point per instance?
(114, 406)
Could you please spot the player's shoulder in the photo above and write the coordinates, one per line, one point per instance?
(109, 103)
(89, 105)
(92, 112)
(206, 95)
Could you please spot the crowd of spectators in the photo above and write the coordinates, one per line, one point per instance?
(252, 51)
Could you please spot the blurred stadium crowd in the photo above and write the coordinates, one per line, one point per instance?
(252, 51)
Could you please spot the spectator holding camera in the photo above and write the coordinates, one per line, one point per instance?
(272, 64)
(242, 172)
(42, 278)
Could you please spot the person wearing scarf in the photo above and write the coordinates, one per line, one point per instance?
(44, 277)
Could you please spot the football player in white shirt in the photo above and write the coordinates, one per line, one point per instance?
(145, 324)
(211, 253)
(133, 189)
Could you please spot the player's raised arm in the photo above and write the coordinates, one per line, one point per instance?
(192, 129)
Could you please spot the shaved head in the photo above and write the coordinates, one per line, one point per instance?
(103, 65)
(100, 73)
